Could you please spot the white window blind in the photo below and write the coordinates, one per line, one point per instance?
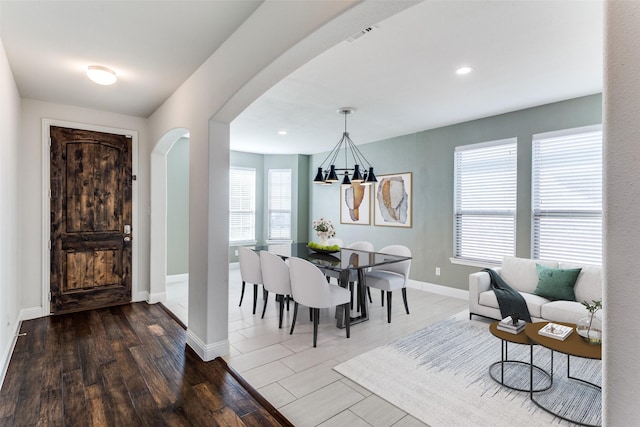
(485, 201)
(567, 196)
(279, 204)
(242, 205)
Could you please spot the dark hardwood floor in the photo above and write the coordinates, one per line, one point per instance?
(122, 366)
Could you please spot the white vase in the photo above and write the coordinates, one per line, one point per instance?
(323, 239)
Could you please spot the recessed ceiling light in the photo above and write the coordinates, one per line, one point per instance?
(463, 70)
(101, 75)
(282, 132)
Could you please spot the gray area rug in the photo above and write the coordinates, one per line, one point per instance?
(440, 375)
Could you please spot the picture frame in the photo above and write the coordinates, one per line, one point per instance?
(360, 196)
(393, 200)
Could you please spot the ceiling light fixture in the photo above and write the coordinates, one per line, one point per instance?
(101, 75)
(329, 174)
(282, 132)
(463, 70)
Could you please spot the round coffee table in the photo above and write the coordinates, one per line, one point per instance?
(523, 339)
(573, 345)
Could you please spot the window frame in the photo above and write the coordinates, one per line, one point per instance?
(270, 237)
(245, 240)
(581, 215)
(504, 147)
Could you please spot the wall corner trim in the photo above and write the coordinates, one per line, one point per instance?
(207, 352)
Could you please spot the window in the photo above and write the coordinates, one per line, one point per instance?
(485, 201)
(567, 196)
(242, 205)
(279, 204)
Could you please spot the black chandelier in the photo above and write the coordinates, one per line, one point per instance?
(328, 172)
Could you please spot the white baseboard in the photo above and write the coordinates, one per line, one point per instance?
(6, 355)
(176, 278)
(140, 296)
(439, 289)
(157, 297)
(207, 352)
(31, 313)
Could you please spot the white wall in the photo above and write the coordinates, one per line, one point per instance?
(622, 222)
(9, 210)
(275, 40)
(31, 188)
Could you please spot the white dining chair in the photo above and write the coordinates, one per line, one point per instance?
(389, 277)
(275, 278)
(310, 288)
(250, 272)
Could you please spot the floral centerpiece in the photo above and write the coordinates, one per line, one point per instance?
(324, 230)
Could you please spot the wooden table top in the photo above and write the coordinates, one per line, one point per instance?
(520, 338)
(573, 345)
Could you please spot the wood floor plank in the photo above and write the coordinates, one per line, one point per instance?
(122, 366)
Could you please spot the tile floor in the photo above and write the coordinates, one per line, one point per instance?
(297, 378)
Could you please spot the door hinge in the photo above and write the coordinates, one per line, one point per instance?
(49, 296)
(49, 142)
(49, 244)
(134, 177)
(49, 193)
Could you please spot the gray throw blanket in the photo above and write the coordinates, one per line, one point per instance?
(509, 300)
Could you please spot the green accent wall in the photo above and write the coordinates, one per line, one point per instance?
(429, 155)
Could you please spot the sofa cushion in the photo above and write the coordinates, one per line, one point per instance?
(564, 311)
(556, 283)
(521, 274)
(589, 284)
(534, 302)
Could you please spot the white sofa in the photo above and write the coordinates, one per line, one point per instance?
(521, 274)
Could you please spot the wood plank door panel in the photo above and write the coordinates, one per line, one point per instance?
(90, 219)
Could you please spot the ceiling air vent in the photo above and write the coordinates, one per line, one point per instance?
(362, 33)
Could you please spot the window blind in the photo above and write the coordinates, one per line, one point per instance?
(485, 200)
(279, 204)
(567, 196)
(242, 205)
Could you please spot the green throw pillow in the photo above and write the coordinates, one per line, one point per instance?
(556, 283)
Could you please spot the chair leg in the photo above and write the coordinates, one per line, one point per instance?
(404, 297)
(347, 320)
(381, 297)
(242, 293)
(288, 299)
(295, 314)
(351, 291)
(264, 293)
(389, 295)
(310, 314)
(255, 297)
(281, 311)
(265, 304)
(369, 294)
(316, 317)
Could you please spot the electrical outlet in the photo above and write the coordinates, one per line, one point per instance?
(437, 271)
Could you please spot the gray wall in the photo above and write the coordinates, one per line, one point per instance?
(178, 208)
(299, 165)
(429, 156)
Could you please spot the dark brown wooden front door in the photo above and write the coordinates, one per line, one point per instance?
(90, 219)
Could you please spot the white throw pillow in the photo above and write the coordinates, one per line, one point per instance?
(588, 286)
(521, 273)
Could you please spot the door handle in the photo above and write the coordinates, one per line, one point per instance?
(127, 238)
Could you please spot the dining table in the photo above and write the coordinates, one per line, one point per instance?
(345, 262)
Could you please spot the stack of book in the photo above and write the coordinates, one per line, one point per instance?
(553, 330)
(507, 325)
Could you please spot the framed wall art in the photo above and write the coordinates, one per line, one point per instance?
(393, 200)
(355, 204)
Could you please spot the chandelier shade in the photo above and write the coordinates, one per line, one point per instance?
(328, 172)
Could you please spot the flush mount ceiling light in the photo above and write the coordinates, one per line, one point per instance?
(327, 172)
(101, 75)
(463, 70)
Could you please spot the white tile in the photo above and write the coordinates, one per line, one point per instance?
(377, 412)
(345, 418)
(312, 379)
(266, 374)
(321, 405)
(409, 421)
(363, 391)
(247, 361)
(276, 395)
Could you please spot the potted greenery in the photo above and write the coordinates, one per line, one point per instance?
(590, 327)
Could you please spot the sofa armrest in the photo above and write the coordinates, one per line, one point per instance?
(478, 282)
